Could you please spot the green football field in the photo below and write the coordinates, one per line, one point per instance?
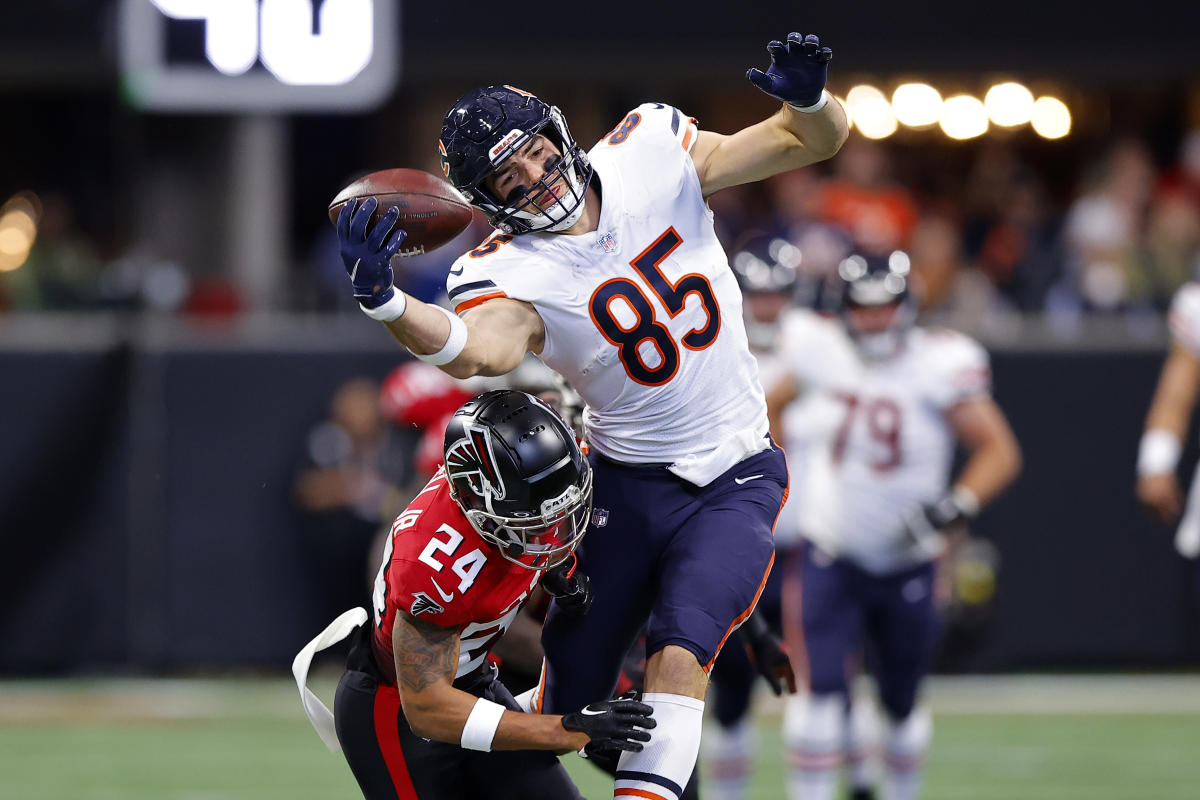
(1110, 739)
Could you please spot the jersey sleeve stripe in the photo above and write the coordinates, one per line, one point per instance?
(675, 121)
(473, 286)
(689, 135)
(474, 301)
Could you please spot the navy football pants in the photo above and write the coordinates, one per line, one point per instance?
(895, 614)
(689, 562)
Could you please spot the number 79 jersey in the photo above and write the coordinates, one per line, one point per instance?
(869, 442)
(643, 315)
(438, 569)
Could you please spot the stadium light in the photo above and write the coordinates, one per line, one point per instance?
(1008, 104)
(871, 111)
(963, 117)
(916, 104)
(1051, 118)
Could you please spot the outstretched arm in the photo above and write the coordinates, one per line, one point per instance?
(490, 340)
(426, 661)
(810, 126)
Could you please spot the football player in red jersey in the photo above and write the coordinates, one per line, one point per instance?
(419, 712)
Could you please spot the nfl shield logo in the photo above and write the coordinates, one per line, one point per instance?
(599, 517)
(607, 243)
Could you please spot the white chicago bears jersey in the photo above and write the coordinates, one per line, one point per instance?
(643, 316)
(871, 439)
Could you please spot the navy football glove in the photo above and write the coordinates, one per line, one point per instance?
(798, 70)
(367, 255)
(614, 725)
(769, 655)
(570, 588)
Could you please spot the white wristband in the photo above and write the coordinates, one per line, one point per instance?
(815, 107)
(391, 310)
(481, 725)
(1158, 453)
(455, 342)
(966, 500)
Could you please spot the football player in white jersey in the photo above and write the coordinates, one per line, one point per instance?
(1167, 423)
(606, 264)
(766, 268)
(887, 402)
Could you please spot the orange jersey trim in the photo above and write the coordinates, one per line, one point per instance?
(474, 301)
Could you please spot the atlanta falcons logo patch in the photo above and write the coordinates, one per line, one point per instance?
(423, 604)
(472, 458)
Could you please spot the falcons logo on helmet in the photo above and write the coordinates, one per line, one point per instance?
(472, 458)
(423, 604)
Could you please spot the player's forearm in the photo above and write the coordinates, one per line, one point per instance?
(991, 468)
(1175, 395)
(425, 329)
(422, 328)
(442, 716)
(519, 731)
(822, 133)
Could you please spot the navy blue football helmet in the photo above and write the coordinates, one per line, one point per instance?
(516, 471)
(488, 125)
(874, 281)
(764, 263)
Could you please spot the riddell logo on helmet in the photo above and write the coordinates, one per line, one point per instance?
(508, 141)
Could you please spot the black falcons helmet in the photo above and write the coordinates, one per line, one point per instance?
(516, 471)
(488, 125)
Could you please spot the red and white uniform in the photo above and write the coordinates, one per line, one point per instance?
(872, 437)
(643, 315)
(1184, 322)
(437, 568)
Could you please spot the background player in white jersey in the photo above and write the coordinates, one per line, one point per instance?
(607, 265)
(1167, 423)
(765, 266)
(419, 712)
(890, 400)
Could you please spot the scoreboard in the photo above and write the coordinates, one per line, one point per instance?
(258, 55)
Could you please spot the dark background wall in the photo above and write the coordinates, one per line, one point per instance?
(146, 515)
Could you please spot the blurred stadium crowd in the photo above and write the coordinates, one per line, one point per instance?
(1010, 232)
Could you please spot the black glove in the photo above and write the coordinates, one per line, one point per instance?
(797, 72)
(925, 525)
(570, 588)
(613, 725)
(769, 655)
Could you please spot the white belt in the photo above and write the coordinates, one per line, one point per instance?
(318, 714)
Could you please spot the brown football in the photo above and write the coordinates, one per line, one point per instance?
(432, 212)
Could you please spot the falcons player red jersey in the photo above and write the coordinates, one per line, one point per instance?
(437, 568)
